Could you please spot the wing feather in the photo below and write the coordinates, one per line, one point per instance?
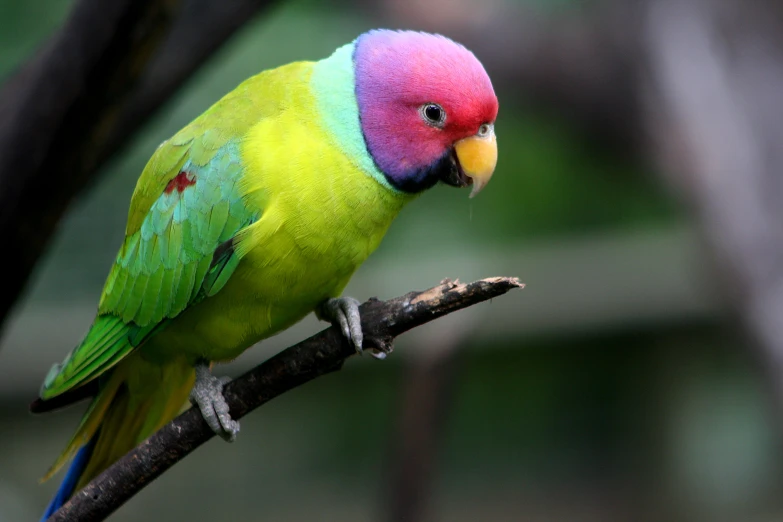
(162, 266)
(168, 260)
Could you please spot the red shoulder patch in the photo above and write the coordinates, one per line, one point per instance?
(180, 182)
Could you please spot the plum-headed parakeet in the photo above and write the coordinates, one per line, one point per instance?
(258, 213)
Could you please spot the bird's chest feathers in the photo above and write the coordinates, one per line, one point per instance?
(322, 216)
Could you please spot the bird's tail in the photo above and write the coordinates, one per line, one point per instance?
(137, 399)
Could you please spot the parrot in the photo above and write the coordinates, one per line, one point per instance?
(256, 214)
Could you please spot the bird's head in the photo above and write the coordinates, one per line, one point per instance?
(427, 110)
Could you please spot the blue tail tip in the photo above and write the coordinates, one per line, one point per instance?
(75, 470)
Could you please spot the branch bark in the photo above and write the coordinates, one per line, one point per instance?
(322, 353)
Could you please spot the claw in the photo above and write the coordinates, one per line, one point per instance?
(344, 311)
(207, 394)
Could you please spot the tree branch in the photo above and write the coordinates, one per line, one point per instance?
(54, 117)
(322, 353)
(425, 406)
(715, 131)
(200, 30)
(113, 64)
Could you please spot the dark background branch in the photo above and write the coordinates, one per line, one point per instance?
(54, 115)
(114, 64)
(322, 353)
(202, 28)
(423, 413)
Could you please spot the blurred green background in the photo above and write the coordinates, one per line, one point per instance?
(611, 388)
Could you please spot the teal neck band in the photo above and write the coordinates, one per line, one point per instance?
(334, 88)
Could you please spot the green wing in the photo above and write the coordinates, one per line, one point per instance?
(179, 254)
(177, 247)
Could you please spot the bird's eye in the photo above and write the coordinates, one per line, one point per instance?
(433, 114)
(484, 130)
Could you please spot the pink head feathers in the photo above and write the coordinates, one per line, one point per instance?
(418, 94)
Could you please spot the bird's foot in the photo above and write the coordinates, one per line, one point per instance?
(207, 394)
(343, 312)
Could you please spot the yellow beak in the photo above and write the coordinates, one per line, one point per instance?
(478, 155)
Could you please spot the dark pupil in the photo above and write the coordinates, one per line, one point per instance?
(432, 112)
